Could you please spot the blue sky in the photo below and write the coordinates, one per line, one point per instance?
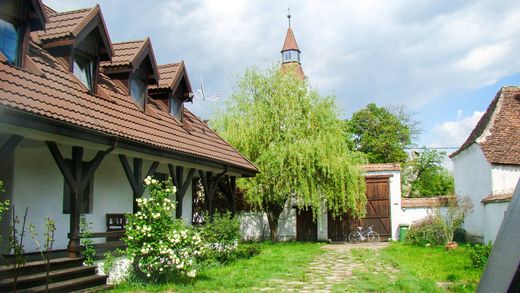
(444, 60)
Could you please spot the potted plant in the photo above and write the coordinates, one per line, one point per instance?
(458, 208)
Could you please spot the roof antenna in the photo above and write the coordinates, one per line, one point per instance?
(289, 15)
(201, 93)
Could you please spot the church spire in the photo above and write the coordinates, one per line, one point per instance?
(291, 52)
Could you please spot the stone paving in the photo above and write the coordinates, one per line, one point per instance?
(332, 267)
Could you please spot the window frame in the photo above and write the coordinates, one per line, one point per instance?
(173, 99)
(132, 79)
(20, 26)
(93, 69)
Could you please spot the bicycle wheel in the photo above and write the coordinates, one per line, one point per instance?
(354, 237)
(372, 236)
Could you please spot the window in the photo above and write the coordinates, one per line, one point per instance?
(138, 90)
(10, 41)
(176, 108)
(86, 195)
(84, 69)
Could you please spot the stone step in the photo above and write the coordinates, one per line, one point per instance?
(38, 279)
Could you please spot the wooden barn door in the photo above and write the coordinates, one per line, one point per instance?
(338, 228)
(378, 206)
(306, 228)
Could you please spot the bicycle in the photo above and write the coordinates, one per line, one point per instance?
(359, 235)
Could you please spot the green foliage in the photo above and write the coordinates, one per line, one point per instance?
(223, 229)
(382, 133)
(160, 247)
(479, 254)
(425, 176)
(297, 140)
(4, 205)
(458, 208)
(427, 231)
(86, 232)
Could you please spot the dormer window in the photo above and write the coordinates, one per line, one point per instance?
(10, 41)
(138, 89)
(84, 68)
(176, 106)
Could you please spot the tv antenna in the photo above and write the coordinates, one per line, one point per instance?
(201, 93)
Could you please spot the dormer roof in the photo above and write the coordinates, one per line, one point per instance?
(70, 27)
(498, 131)
(129, 55)
(171, 76)
(37, 16)
(290, 41)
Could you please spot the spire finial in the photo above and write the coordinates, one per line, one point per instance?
(289, 15)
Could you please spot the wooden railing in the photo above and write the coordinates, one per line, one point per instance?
(108, 245)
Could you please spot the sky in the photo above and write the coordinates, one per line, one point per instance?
(443, 60)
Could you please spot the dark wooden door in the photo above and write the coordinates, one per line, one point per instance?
(338, 228)
(306, 228)
(378, 206)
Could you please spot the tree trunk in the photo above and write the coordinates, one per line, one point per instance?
(273, 214)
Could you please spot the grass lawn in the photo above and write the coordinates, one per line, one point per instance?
(276, 261)
(412, 269)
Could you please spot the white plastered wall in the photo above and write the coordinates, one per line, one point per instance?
(504, 178)
(38, 184)
(472, 174)
(255, 226)
(493, 215)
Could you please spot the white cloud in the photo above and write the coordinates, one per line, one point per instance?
(455, 132)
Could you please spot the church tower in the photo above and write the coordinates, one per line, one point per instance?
(291, 53)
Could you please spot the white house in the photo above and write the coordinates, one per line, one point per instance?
(487, 165)
(83, 121)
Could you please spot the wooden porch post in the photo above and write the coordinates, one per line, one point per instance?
(135, 177)
(77, 177)
(177, 174)
(210, 184)
(8, 148)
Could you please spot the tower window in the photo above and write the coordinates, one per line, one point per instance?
(84, 69)
(137, 89)
(10, 41)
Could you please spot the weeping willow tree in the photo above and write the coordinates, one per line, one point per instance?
(297, 140)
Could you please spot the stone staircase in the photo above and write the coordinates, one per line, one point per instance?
(66, 275)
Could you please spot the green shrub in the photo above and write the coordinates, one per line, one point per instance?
(479, 254)
(224, 230)
(161, 247)
(429, 231)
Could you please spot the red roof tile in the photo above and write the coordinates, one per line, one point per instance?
(505, 197)
(58, 95)
(382, 167)
(169, 75)
(498, 131)
(62, 24)
(290, 41)
(425, 202)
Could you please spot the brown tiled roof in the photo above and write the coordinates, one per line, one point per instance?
(290, 41)
(59, 96)
(505, 197)
(382, 167)
(425, 202)
(125, 53)
(169, 75)
(62, 24)
(498, 131)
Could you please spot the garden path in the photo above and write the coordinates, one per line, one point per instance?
(334, 267)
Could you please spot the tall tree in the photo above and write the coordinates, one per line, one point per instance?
(297, 140)
(424, 175)
(382, 133)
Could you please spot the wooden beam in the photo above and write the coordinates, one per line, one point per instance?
(177, 174)
(77, 177)
(9, 146)
(135, 177)
(210, 184)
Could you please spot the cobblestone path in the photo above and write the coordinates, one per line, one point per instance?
(334, 267)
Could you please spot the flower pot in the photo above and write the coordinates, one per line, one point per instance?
(451, 245)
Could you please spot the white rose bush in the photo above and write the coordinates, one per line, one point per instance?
(160, 246)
